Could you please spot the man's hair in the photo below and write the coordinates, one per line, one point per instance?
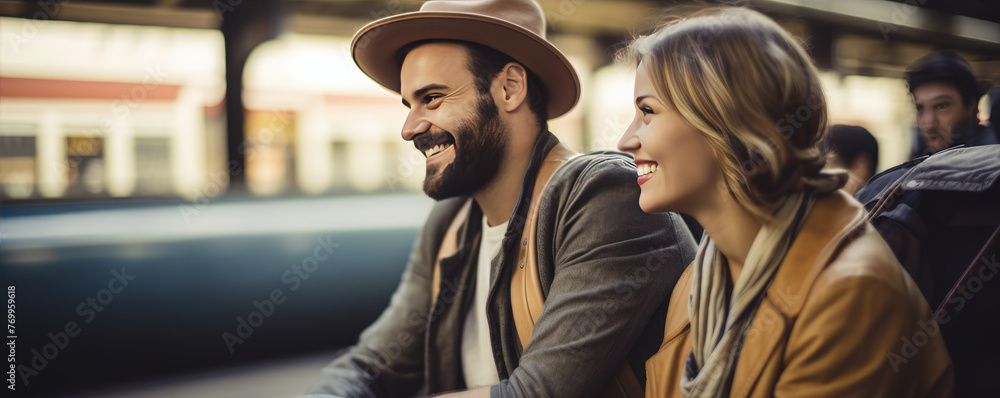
(848, 142)
(485, 63)
(944, 67)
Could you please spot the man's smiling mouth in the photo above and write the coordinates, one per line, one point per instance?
(436, 149)
(432, 144)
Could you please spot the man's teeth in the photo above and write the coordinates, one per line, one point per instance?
(646, 168)
(437, 148)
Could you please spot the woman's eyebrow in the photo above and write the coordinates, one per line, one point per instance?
(640, 98)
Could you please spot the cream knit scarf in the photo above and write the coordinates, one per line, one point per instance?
(717, 334)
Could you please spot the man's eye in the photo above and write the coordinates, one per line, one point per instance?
(431, 97)
(941, 105)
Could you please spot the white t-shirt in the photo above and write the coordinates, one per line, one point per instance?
(477, 353)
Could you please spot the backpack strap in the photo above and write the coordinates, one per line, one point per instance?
(526, 297)
(449, 246)
(888, 198)
(991, 246)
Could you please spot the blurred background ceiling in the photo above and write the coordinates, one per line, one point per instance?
(851, 36)
(862, 47)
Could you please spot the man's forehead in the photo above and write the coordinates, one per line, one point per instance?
(434, 63)
(933, 91)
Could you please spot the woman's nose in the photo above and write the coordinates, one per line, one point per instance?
(629, 141)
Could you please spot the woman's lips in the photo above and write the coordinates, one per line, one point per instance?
(645, 169)
(643, 178)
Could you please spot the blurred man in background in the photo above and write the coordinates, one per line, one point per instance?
(940, 215)
(946, 97)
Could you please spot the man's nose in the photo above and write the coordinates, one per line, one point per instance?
(415, 124)
(926, 119)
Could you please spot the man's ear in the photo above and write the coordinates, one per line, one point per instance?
(972, 111)
(514, 81)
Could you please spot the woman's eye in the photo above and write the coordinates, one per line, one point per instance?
(645, 110)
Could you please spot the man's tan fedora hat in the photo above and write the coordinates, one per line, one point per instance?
(513, 27)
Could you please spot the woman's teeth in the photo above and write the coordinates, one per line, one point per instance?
(646, 168)
(437, 148)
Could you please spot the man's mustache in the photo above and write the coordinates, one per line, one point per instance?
(428, 140)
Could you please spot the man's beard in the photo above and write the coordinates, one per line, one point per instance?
(484, 141)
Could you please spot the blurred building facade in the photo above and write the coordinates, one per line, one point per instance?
(96, 110)
(118, 110)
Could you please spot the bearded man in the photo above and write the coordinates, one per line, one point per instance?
(480, 81)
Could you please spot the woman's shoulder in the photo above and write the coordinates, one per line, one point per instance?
(865, 284)
(867, 260)
(865, 321)
(841, 257)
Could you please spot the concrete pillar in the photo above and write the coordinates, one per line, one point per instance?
(187, 144)
(119, 159)
(314, 166)
(51, 146)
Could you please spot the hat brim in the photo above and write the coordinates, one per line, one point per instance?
(375, 48)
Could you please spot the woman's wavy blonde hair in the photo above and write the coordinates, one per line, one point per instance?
(753, 92)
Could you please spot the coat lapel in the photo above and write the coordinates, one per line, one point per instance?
(832, 220)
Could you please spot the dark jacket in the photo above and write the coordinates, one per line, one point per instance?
(947, 206)
(606, 270)
(933, 190)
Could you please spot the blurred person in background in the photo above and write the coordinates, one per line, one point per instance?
(792, 292)
(854, 149)
(481, 81)
(940, 215)
(994, 101)
(946, 97)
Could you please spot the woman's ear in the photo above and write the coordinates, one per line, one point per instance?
(514, 81)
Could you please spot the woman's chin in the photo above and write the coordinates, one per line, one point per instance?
(652, 205)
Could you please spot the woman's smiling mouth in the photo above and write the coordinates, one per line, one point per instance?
(645, 169)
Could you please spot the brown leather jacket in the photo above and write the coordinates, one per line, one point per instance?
(840, 319)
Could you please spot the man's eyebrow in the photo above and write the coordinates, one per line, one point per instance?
(421, 91)
(939, 97)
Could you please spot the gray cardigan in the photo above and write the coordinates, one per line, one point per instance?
(606, 269)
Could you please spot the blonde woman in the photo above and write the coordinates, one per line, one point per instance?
(792, 292)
